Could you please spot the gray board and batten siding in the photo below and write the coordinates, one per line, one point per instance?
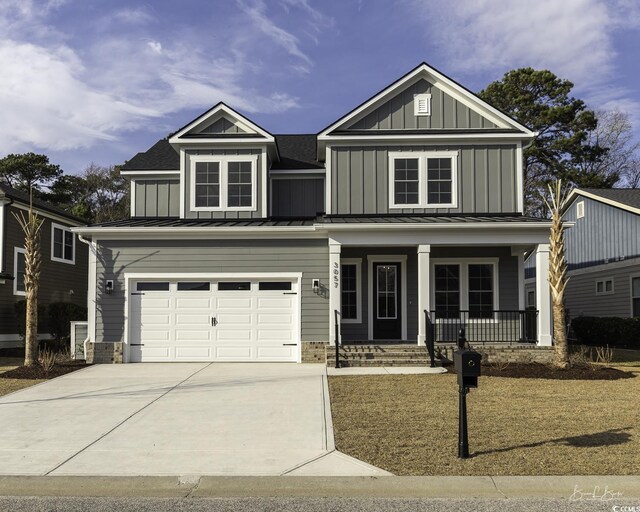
(487, 181)
(398, 113)
(115, 258)
(605, 234)
(157, 198)
(297, 197)
(507, 281)
(222, 125)
(255, 214)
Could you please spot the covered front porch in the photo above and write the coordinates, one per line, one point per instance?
(386, 291)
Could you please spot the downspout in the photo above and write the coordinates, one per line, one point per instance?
(91, 316)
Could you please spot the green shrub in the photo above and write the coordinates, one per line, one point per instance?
(612, 331)
(61, 314)
(20, 309)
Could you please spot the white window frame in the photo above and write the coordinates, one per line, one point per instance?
(224, 161)
(604, 286)
(464, 263)
(423, 182)
(16, 251)
(580, 210)
(395, 297)
(358, 264)
(72, 261)
(416, 101)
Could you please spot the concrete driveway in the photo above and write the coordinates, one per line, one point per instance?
(175, 419)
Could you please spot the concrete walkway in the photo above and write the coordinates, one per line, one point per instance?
(179, 418)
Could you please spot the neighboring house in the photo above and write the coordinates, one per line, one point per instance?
(247, 246)
(603, 253)
(63, 276)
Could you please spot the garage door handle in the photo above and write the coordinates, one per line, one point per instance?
(214, 321)
(289, 344)
(137, 344)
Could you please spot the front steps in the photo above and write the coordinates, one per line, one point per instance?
(378, 355)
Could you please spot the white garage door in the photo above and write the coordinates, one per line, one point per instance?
(213, 320)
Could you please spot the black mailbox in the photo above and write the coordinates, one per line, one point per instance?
(467, 364)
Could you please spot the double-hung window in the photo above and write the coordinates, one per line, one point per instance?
(63, 244)
(423, 179)
(465, 286)
(351, 298)
(220, 183)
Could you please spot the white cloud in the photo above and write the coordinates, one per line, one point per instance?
(155, 46)
(137, 16)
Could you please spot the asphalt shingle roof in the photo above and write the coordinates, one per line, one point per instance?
(23, 197)
(159, 157)
(628, 196)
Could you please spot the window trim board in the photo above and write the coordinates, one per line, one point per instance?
(604, 286)
(16, 251)
(358, 263)
(64, 229)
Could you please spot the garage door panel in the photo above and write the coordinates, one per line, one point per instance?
(252, 324)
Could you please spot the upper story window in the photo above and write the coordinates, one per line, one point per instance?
(423, 180)
(223, 182)
(580, 210)
(63, 244)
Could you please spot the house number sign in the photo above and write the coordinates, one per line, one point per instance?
(336, 275)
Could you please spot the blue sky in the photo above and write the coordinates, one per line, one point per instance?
(100, 80)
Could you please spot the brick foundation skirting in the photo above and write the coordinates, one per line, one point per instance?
(507, 353)
(314, 352)
(104, 353)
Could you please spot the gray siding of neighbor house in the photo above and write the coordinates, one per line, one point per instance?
(507, 281)
(311, 257)
(222, 125)
(581, 298)
(603, 235)
(157, 198)
(297, 197)
(487, 180)
(398, 113)
(57, 280)
(256, 214)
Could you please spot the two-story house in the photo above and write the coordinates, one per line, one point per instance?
(603, 254)
(403, 214)
(63, 275)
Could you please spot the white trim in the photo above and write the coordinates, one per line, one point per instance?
(578, 192)
(519, 179)
(92, 290)
(453, 137)
(579, 209)
(543, 296)
(183, 172)
(464, 263)
(521, 291)
(149, 175)
(16, 251)
(174, 276)
(202, 119)
(358, 264)
(417, 98)
(223, 161)
(72, 338)
(334, 285)
(132, 198)
(446, 85)
(265, 183)
(64, 229)
(381, 258)
(604, 281)
(631, 297)
(2, 215)
(423, 158)
(424, 283)
(327, 181)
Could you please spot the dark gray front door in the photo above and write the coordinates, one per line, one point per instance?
(387, 306)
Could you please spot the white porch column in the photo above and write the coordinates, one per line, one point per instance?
(334, 286)
(424, 253)
(543, 296)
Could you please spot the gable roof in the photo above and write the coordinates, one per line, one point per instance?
(448, 85)
(39, 204)
(159, 157)
(624, 198)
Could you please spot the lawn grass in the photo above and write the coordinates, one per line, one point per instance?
(10, 385)
(408, 424)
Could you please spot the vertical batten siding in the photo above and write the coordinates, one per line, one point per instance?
(157, 198)
(222, 125)
(297, 197)
(486, 179)
(398, 112)
(256, 214)
(115, 258)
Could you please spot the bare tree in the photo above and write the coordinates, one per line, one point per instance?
(556, 201)
(31, 225)
(621, 161)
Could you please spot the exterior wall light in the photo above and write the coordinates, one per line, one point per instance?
(108, 287)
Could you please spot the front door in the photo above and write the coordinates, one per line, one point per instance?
(387, 307)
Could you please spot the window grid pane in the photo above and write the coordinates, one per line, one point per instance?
(386, 276)
(439, 180)
(447, 290)
(349, 305)
(239, 184)
(406, 181)
(207, 184)
(481, 291)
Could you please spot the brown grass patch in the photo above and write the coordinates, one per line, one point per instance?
(408, 424)
(10, 385)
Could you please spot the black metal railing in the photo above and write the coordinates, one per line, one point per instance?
(429, 338)
(337, 337)
(483, 326)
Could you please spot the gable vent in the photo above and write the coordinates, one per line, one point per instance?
(422, 104)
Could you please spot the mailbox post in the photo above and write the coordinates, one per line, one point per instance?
(467, 365)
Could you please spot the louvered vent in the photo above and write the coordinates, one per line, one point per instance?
(422, 104)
